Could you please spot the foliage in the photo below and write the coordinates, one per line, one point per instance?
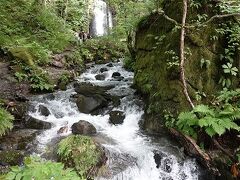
(215, 120)
(38, 79)
(38, 169)
(74, 12)
(79, 152)
(6, 121)
(37, 29)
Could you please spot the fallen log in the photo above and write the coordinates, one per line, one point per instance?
(193, 150)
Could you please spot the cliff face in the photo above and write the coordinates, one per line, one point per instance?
(157, 71)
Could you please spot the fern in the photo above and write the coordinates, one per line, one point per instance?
(79, 152)
(6, 121)
(214, 121)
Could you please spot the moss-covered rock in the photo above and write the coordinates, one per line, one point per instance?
(157, 63)
(82, 154)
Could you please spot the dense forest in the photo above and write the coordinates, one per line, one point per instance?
(113, 89)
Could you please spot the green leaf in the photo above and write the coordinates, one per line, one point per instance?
(210, 131)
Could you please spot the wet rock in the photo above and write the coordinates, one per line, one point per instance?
(118, 78)
(43, 110)
(17, 140)
(116, 117)
(87, 89)
(109, 65)
(49, 97)
(84, 128)
(158, 156)
(167, 165)
(104, 69)
(116, 74)
(34, 123)
(63, 129)
(18, 110)
(100, 77)
(89, 104)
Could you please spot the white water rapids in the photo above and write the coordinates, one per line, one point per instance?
(130, 152)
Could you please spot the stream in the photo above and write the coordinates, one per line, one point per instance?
(129, 150)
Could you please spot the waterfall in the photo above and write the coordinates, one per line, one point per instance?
(102, 19)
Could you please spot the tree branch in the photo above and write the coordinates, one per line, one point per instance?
(213, 18)
(182, 55)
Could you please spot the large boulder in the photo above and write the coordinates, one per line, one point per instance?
(116, 117)
(34, 123)
(43, 110)
(89, 104)
(84, 128)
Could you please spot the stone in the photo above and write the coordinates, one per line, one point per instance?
(118, 78)
(62, 130)
(158, 156)
(116, 74)
(43, 110)
(116, 117)
(109, 65)
(104, 69)
(100, 77)
(17, 139)
(84, 128)
(49, 97)
(89, 104)
(34, 123)
(57, 64)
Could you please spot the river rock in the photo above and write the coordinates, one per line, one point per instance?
(43, 110)
(100, 77)
(116, 74)
(18, 110)
(49, 97)
(104, 69)
(116, 117)
(17, 140)
(118, 78)
(34, 123)
(84, 128)
(89, 104)
(109, 65)
(158, 156)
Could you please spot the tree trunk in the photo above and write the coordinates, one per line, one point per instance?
(182, 53)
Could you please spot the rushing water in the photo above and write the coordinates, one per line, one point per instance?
(102, 19)
(130, 152)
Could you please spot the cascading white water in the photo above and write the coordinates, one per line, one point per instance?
(130, 152)
(102, 19)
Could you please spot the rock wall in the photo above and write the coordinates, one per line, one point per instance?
(156, 71)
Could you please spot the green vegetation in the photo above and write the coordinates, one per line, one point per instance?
(80, 153)
(38, 169)
(6, 121)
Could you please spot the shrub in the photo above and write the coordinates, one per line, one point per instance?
(39, 169)
(79, 152)
(6, 121)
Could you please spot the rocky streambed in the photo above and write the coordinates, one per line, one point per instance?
(102, 104)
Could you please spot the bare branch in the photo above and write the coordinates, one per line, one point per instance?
(213, 18)
(182, 55)
(168, 18)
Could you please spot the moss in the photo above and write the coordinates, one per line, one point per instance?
(22, 54)
(157, 76)
(11, 157)
(80, 153)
